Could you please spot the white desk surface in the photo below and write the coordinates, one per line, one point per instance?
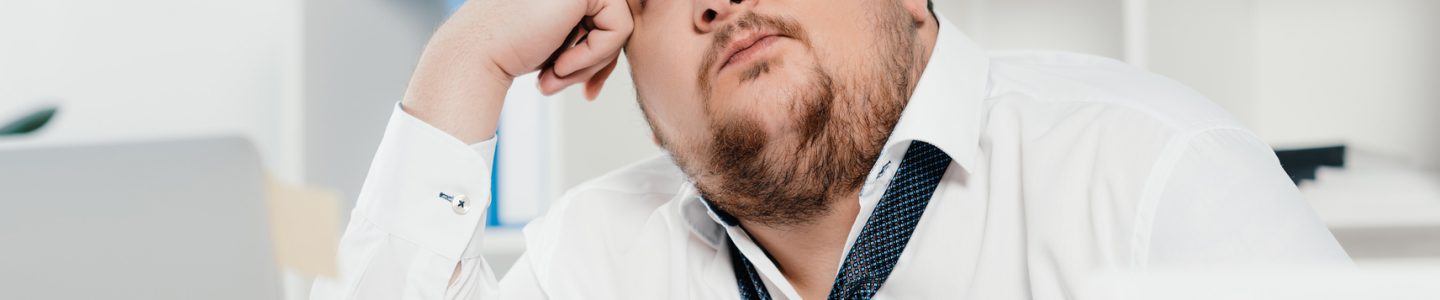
(1385, 213)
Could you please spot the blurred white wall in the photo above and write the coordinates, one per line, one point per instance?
(155, 69)
(1365, 72)
(357, 59)
(311, 83)
(594, 138)
(1207, 44)
(1086, 26)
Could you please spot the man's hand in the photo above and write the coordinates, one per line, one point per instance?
(470, 62)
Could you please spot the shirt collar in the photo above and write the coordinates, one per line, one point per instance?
(943, 111)
(945, 108)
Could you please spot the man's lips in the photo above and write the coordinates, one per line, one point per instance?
(741, 50)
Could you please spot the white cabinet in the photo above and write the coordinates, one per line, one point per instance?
(1365, 73)
(1361, 72)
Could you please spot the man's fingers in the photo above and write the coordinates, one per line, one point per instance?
(592, 86)
(551, 82)
(611, 29)
(598, 46)
(594, 54)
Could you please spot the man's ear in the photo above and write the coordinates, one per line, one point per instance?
(919, 11)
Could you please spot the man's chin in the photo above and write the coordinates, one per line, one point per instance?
(767, 160)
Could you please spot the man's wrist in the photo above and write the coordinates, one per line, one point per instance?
(463, 99)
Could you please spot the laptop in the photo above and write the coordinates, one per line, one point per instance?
(180, 219)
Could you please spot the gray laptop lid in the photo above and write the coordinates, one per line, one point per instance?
(151, 220)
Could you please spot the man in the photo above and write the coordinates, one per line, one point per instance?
(817, 148)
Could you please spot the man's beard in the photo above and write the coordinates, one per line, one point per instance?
(841, 123)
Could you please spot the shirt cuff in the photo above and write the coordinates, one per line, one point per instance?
(415, 164)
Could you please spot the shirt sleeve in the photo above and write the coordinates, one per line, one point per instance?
(407, 241)
(1226, 202)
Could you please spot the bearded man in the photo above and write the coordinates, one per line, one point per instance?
(841, 149)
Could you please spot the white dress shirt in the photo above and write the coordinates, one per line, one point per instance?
(1064, 167)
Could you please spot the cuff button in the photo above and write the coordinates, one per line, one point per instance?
(458, 203)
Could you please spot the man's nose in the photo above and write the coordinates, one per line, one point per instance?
(709, 13)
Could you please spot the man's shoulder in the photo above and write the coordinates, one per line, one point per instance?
(657, 174)
(622, 198)
(1063, 80)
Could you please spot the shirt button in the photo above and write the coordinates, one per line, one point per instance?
(869, 184)
(458, 203)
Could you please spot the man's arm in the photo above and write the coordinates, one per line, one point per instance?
(406, 242)
(407, 237)
(473, 58)
(1226, 203)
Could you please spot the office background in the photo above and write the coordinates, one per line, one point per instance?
(311, 83)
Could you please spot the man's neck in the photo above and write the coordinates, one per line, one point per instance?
(809, 254)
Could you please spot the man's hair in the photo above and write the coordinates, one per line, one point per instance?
(931, 6)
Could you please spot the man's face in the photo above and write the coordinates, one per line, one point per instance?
(773, 106)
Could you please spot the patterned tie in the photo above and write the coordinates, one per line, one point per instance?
(881, 240)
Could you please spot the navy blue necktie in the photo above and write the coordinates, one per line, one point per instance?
(881, 240)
